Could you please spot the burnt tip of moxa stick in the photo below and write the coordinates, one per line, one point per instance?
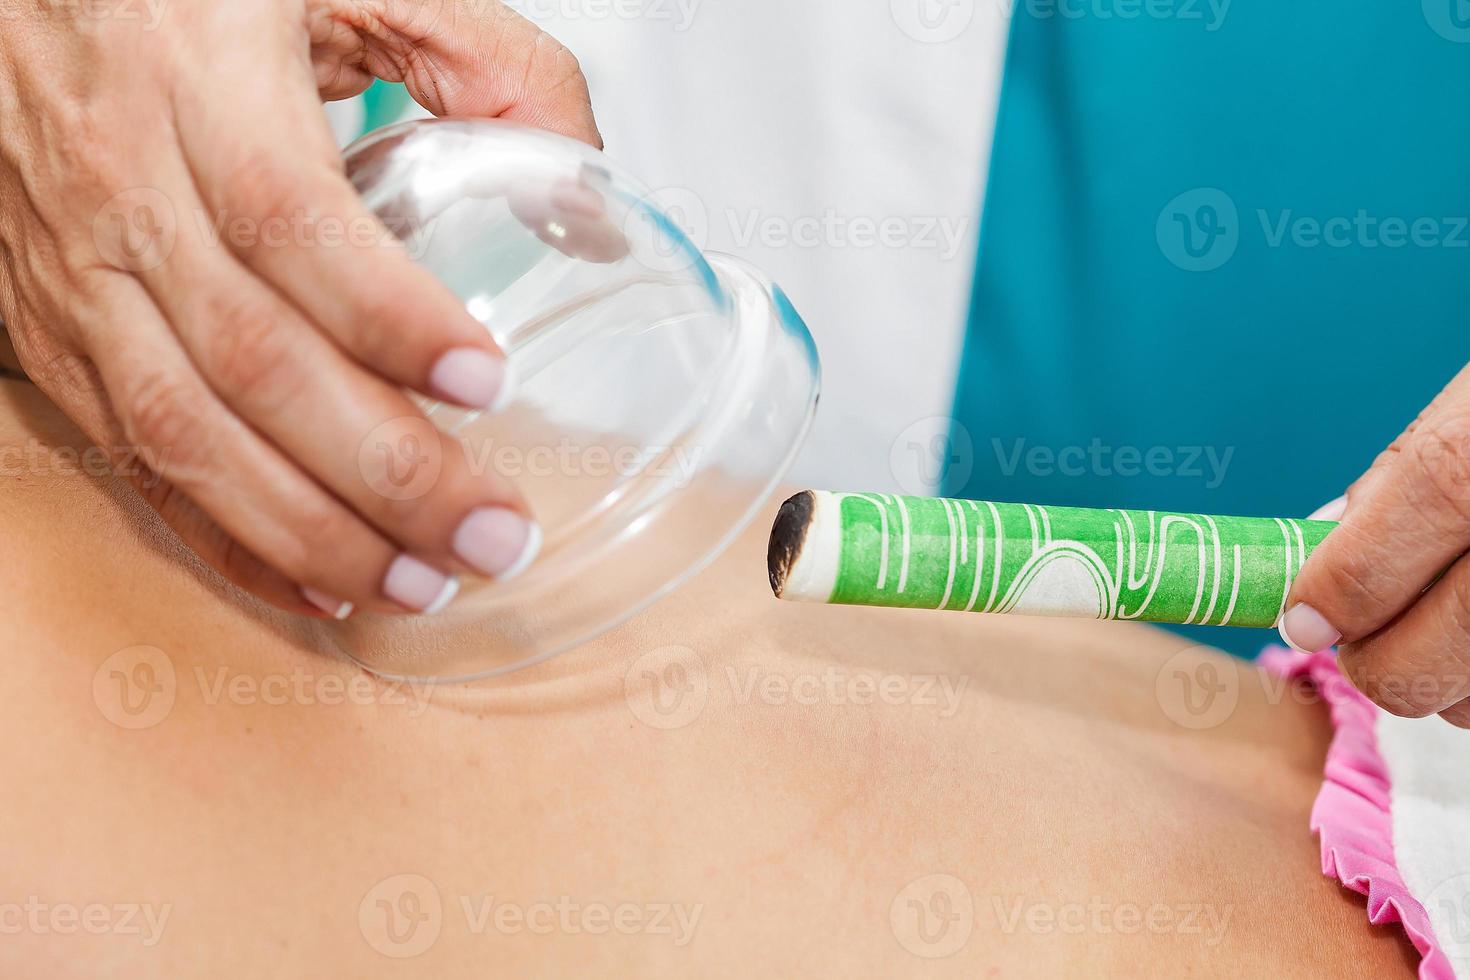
(788, 534)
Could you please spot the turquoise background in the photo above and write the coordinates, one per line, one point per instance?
(1089, 319)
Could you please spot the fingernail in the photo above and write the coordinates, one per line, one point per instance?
(498, 542)
(330, 605)
(471, 377)
(419, 587)
(1330, 512)
(1305, 629)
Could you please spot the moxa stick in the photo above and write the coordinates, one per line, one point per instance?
(872, 549)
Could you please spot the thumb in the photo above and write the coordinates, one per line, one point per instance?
(461, 58)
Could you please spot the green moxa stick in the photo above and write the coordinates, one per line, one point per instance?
(871, 549)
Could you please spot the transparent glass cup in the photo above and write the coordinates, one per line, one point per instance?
(660, 394)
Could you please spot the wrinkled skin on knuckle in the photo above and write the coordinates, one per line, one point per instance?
(383, 316)
(1442, 451)
(313, 550)
(259, 186)
(1405, 695)
(248, 351)
(1350, 585)
(162, 414)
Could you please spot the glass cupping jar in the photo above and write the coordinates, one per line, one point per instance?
(660, 393)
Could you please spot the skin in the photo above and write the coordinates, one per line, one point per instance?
(1392, 584)
(794, 827)
(248, 369)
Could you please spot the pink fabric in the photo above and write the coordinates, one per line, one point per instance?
(1352, 814)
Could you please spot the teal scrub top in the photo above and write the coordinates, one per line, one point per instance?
(1224, 258)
